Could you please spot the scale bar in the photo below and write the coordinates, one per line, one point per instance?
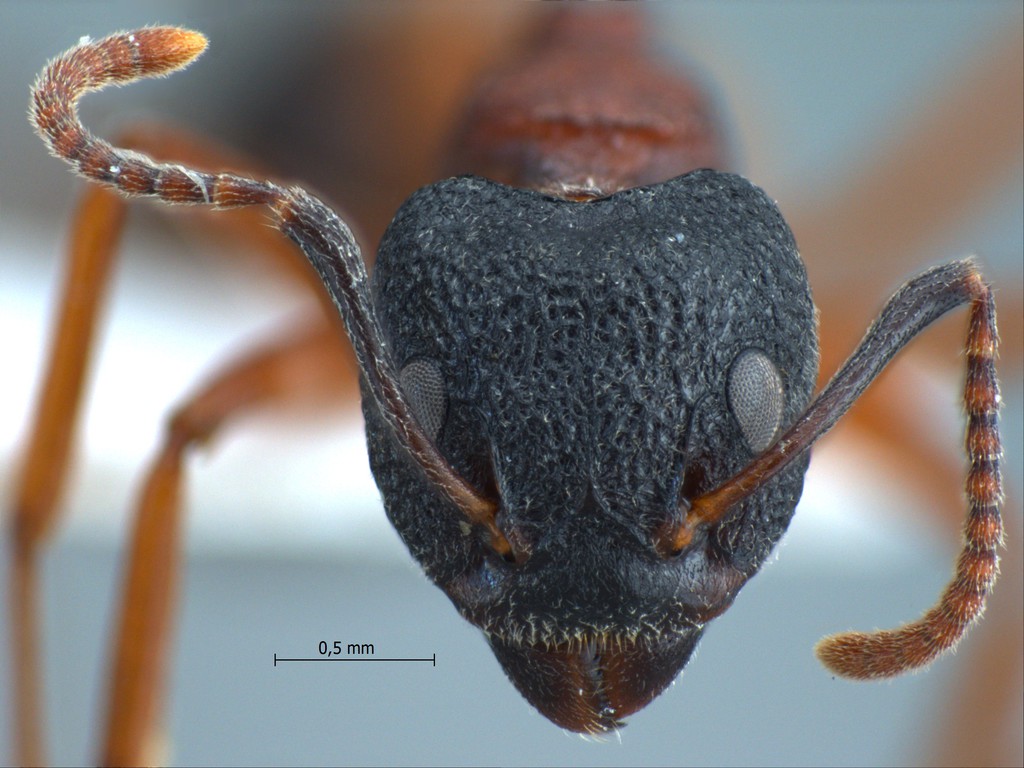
(432, 659)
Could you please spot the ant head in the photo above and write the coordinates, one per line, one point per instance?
(592, 367)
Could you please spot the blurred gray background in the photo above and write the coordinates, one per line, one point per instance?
(287, 544)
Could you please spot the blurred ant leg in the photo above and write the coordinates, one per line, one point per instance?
(245, 230)
(96, 230)
(94, 235)
(895, 420)
(977, 126)
(977, 721)
(974, 127)
(300, 368)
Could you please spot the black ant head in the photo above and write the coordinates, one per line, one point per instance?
(592, 367)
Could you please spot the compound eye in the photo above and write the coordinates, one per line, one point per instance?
(423, 385)
(756, 398)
